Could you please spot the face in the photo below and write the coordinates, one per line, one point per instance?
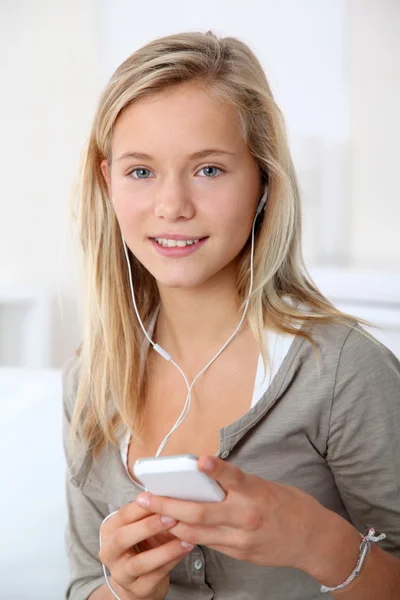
(171, 195)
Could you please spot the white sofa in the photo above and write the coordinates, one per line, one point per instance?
(33, 562)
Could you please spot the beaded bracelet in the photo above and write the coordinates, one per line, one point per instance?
(365, 548)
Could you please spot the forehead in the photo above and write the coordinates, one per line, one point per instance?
(186, 116)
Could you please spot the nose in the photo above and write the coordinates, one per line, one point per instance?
(173, 202)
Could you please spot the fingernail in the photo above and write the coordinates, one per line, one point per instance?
(187, 546)
(143, 501)
(167, 520)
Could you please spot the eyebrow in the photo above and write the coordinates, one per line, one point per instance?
(195, 155)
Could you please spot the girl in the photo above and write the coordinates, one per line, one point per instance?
(189, 221)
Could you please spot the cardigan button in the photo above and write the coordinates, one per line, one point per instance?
(198, 564)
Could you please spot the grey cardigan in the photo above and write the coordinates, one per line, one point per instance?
(334, 434)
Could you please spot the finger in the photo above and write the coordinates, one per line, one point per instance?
(228, 550)
(145, 586)
(124, 538)
(129, 570)
(229, 476)
(149, 544)
(193, 513)
(165, 536)
(204, 534)
(157, 540)
(128, 513)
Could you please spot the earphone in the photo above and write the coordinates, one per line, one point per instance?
(260, 207)
(263, 201)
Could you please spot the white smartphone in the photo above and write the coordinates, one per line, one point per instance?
(177, 476)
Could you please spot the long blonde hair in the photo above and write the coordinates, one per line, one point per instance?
(110, 391)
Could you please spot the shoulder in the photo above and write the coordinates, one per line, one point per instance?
(331, 337)
(355, 353)
(374, 364)
(348, 347)
(344, 335)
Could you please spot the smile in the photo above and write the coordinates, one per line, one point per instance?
(177, 248)
(167, 242)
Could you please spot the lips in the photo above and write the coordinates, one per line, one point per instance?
(178, 251)
(177, 236)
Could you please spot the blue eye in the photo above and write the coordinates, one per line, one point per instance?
(210, 167)
(140, 169)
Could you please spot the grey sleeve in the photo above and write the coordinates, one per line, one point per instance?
(364, 436)
(84, 517)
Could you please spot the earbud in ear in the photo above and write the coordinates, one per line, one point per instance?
(263, 201)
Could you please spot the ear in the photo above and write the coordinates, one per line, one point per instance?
(105, 169)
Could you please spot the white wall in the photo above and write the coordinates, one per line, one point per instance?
(374, 87)
(50, 81)
(300, 44)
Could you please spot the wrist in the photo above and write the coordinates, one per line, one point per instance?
(334, 549)
(122, 593)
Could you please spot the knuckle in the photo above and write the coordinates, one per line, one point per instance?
(239, 474)
(127, 512)
(243, 542)
(238, 478)
(121, 576)
(199, 513)
(252, 519)
(135, 566)
(118, 539)
(124, 512)
(103, 556)
(191, 537)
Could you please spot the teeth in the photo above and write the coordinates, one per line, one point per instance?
(172, 243)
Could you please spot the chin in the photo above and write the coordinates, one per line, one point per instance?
(180, 282)
(175, 274)
(182, 278)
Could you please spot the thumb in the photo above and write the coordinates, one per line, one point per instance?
(227, 474)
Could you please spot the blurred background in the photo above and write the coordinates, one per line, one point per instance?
(333, 66)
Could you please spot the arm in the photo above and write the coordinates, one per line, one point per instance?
(364, 455)
(102, 593)
(81, 536)
(84, 514)
(335, 555)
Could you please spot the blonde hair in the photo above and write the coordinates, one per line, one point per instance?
(110, 392)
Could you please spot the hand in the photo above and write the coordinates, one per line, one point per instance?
(259, 521)
(139, 552)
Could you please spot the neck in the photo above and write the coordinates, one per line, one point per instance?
(192, 323)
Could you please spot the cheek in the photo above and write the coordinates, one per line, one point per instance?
(234, 228)
(128, 203)
(131, 217)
